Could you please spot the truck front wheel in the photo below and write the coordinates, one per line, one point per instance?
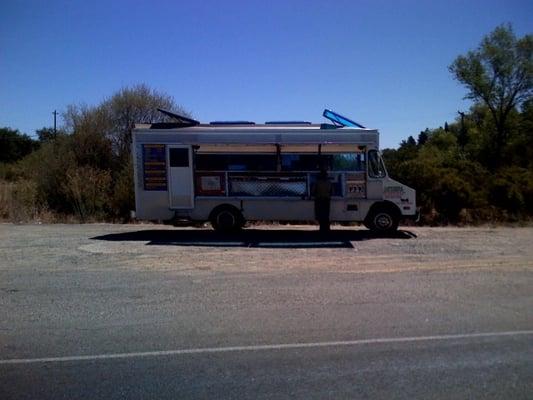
(382, 220)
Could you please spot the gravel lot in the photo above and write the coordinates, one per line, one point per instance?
(192, 251)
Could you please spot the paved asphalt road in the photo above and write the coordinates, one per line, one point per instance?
(141, 312)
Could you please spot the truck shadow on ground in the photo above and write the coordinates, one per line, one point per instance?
(258, 238)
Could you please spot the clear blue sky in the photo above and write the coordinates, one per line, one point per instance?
(382, 63)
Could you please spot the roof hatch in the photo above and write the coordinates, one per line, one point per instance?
(339, 120)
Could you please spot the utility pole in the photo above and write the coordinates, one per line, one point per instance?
(463, 138)
(55, 124)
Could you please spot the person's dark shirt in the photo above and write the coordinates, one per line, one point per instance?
(323, 188)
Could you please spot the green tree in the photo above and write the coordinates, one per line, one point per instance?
(86, 168)
(499, 74)
(423, 137)
(14, 145)
(116, 116)
(47, 134)
(101, 140)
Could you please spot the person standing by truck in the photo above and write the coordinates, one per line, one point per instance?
(322, 193)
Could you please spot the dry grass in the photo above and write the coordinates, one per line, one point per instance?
(6, 193)
(19, 203)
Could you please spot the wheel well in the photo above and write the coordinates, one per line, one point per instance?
(384, 205)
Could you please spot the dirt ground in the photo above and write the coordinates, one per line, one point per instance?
(269, 248)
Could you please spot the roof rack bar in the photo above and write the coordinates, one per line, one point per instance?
(287, 123)
(232, 123)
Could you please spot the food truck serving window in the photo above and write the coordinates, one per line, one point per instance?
(236, 162)
(299, 162)
(348, 162)
(332, 162)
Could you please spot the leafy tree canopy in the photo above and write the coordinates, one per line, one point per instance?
(47, 134)
(117, 115)
(499, 74)
(14, 145)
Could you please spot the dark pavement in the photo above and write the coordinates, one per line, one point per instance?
(157, 301)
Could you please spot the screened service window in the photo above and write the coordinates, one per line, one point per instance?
(236, 162)
(375, 165)
(179, 157)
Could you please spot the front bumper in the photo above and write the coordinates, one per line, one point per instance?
(415, 217)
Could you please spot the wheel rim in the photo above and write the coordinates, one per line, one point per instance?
(383, 221)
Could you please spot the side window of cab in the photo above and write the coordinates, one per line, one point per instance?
(376, 169)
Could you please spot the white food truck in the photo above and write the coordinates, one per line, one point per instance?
(230, 172)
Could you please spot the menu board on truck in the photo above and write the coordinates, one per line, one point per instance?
(155, 167)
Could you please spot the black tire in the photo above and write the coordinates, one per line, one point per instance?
(226, 219)
(383, 220)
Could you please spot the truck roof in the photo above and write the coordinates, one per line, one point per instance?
(226, 126)
(188, 131)
(258, 134)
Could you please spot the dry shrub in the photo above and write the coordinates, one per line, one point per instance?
(87, 189)
(6, 190)
(123, 196)
(18, 201)
(24, 205)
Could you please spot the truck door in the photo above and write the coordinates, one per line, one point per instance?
(376, 174)
(180, 172)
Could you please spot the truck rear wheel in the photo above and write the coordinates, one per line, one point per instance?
(226, 219)
(382, 220)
